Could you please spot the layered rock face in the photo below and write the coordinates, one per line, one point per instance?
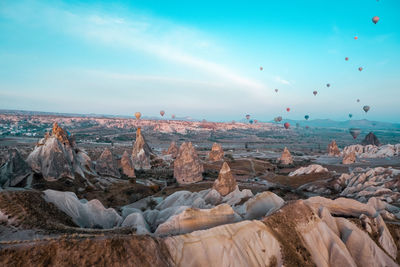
(363, 184)
(225, 183)
(372, 151)
(187, 166)
(15, 170)
(333, 149)
(349, 158)
(216, 153)
(172, 150)
(141, 152)
(127, 166)
(286, 157)
(313, 168)
(106, 165)
(56, 156)
(371, 139)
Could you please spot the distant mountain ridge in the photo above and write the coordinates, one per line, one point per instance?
(362, 124)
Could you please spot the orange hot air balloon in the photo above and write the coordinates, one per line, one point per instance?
(315, 93)
(360, 68)
(138, 115)
(375, 19)
(162, 112)
(346, 58)
(287, 109)
(355, 37)
(287, 125)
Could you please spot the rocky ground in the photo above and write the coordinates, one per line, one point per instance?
(193, 202)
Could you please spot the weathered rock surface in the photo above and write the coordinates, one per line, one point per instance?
(106, 165)
(333, 149)
(172, 150)
(371, 139)
(372, 151)
(313, 168)
(216, 153)
(90, 214)
(197, 219)
(56, 156)
(263, 204)
(286, 157)
(187, 166)
(225, 183)
(349, 157)
(136, 220)
(141, 153)
(15, 170)
(127, 166)
(248, 243)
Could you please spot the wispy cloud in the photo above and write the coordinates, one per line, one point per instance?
(282, 81)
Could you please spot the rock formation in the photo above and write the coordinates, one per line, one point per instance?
(333, 149)
(349, 158)
(286, 157)
(372, 151)
(15, 170)
(187, 166)
(106, 165)
(216, 153)
(127, 166)
(225, 183)
(57, 156)
(172, 150)
(141, 153)
(313, 168)
(371, 139)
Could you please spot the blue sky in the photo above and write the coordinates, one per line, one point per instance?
(202, 58)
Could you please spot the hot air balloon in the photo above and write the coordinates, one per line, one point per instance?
(315, 93)
(360, 68)
(355, 37)
(354, 132)
(276, 90)
(287, 125)
(287, 109)
(162, 112)
(279, 119)
(261, 68)
(255, 121)
(173, 116)
(138, 115)
(247, 117)
(375, 19)
(328, 85)
(346, 58)
(350, 115)
(358, 100)
(251, 121)
(306, 117)
(366, 108)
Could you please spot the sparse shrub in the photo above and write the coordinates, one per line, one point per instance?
(151, 204)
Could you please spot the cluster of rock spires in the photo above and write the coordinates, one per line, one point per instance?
(216, 153)
(106, 165)
(333, 149)
(172, 150)
(15, 171)
(187, 165)
(127, 166)
(371, 139)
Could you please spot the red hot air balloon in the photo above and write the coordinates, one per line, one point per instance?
(287, 125)
(346, 58)
(261, 68)
(287, 109)
(315, 93)
(355, 37)
(375, 19)
(162, 112)
(255, 121)
(360, 68)
(173, 116)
